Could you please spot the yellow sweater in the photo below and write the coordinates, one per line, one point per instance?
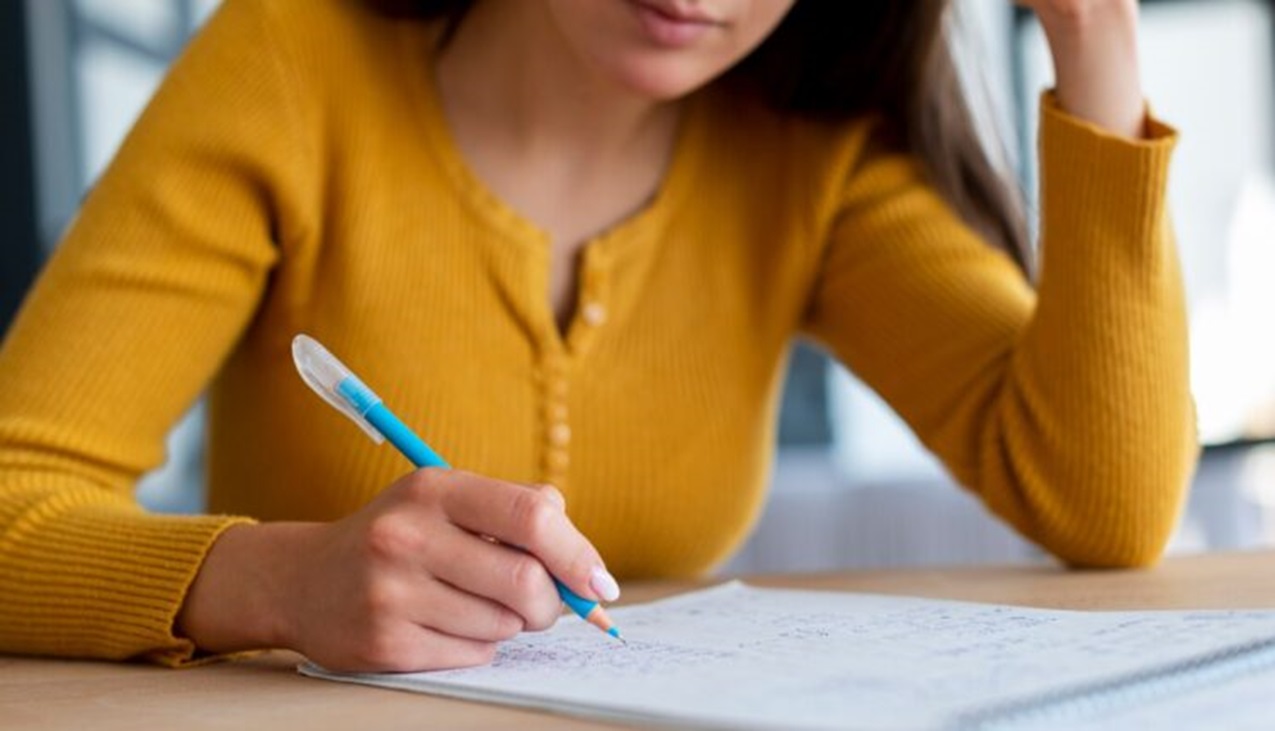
(295, 174)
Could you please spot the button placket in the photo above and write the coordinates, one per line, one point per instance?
(593, 309)
(556, 426)
(592, 315)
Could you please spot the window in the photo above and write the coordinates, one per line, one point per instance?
(96, 64)
(1208, 66)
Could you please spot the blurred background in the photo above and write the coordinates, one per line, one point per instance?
(851, 487)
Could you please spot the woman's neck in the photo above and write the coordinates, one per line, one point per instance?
(548, 135)
(509, 77)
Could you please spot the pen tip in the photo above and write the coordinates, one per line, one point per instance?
(615, 632)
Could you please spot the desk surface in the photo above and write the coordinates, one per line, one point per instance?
(266, 692)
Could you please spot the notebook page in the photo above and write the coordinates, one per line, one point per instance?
(741, 657)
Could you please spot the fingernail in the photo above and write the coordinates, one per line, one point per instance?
(603, 584)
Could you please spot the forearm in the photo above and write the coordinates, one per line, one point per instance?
(85, 573)
(1087, 444)
(1093, 440)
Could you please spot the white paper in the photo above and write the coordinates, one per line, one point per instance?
(736, 656)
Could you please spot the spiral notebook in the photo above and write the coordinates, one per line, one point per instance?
(737, 656)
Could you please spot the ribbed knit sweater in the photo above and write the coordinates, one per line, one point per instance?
(296, 173)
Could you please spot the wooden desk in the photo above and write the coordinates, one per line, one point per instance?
(267, 693)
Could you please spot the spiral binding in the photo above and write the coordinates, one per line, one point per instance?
(1079, 703)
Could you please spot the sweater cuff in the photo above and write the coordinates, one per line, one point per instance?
(1097, 185)
(107, 580)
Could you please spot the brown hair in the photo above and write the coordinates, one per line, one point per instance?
(846, 58)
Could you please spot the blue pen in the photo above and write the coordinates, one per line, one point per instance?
(337, 385)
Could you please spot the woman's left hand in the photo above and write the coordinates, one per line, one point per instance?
(1094, 44)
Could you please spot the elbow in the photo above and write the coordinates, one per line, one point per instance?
(1129, 530)
(1144, 510)
(1121, 522)
(1109, 540)
(1142, 549)
(1117, 508)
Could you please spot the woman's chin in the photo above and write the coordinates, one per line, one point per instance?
(661, 82)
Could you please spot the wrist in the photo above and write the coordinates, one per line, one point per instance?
(241, 598)
(1095, 55)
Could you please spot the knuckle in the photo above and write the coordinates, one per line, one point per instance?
(553, 495)
(381, 650)
(475, 653)
(526, 577)
(389, 538)
(544, 613)
(422, 486)
(485, 653)
(506, 625)
(533, 517)
(379, 600)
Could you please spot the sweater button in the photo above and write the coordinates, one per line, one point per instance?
(560, 434)
(556, 462)
(594, 314)
(556, 411)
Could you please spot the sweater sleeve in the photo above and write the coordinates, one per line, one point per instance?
(149, 290)
(1065, 409)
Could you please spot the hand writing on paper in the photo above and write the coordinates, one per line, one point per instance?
(1094, 44)
(407, 583)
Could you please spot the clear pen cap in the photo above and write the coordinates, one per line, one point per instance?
(328, 377)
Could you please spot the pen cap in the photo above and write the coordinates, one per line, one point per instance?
(328, 377)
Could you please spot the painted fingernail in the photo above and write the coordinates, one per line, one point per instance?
(603, 584)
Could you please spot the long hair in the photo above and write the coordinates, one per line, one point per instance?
(840, 59)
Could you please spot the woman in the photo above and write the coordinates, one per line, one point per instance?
(569, 241)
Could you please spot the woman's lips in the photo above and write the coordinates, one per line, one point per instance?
(669, 27)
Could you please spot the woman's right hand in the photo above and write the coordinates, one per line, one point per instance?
(413, 581)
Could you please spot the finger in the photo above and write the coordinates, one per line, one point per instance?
(513, 579)
(459, 613)
(528, 519)
(552, 494)
(404, 648)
